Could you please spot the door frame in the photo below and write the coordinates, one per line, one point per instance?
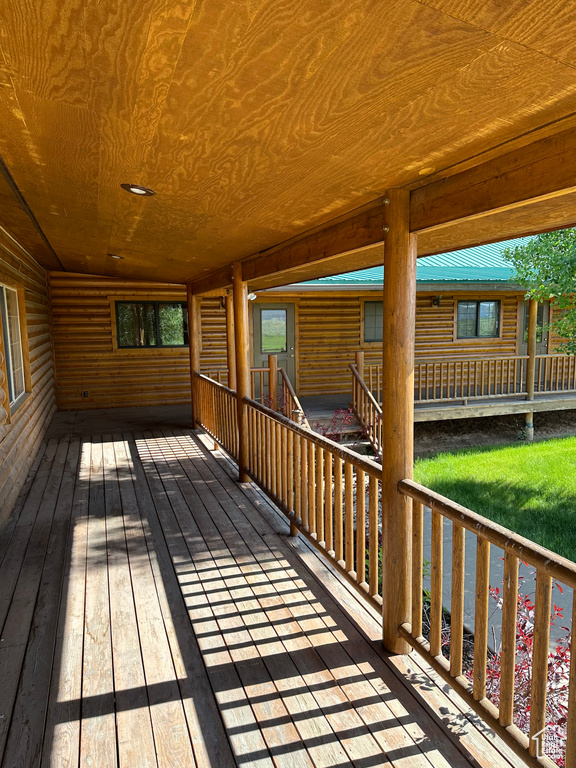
(522, 345)
(279, 300)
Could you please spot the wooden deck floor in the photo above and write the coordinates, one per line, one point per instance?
(153, 613)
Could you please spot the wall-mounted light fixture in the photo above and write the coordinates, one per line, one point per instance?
(436, 301)
(252, 296)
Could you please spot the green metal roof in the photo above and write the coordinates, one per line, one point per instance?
(482, 264)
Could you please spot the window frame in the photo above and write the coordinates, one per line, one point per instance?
(364, 342)
(159, 347)
(478, 301)
(7, 366)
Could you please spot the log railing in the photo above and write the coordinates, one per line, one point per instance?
(282, 397)
(331, 495)
(514, 548)
(288, 404)
(326, 491)
(367, 410)
(462, 379)
(555, 373)
(216, 412)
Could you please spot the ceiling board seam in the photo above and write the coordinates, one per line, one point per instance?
(26, 208)
(490, 32)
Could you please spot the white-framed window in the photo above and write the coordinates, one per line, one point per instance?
(12, 337)
(373, 321)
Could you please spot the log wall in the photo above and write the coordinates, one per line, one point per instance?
(21, 432)
(330, 332)
(87, 361)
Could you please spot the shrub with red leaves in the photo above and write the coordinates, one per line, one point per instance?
(554, 744)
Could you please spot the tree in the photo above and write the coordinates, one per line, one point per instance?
(546, 267)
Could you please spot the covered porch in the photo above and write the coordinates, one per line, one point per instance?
(155, 612)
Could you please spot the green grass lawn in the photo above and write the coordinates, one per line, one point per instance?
(529, 488)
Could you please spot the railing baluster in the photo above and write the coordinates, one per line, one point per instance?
(338, 522)
(289, 470)
(481, 618)
(417, 563)
(269, 456)
(328, 521)
(457, 601)
(540, 662)
(571, 724)
(296, 478)
(360, 526)
(436, 586)
(312, 488)
(281, 437)
(508, 655)
(349, 516)
(373, 559)
(319, 505)
(304, 495)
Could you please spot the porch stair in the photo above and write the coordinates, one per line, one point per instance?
(155, 613)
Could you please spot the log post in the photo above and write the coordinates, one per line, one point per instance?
(242, 348)
(360, 363)
(531, 365)
(230, 350)
(273, 381)
(195, 346)
(399, 308)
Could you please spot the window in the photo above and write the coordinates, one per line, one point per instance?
(373, 321)
(151, 324)
(274, 336)
(478, 319)
(14, 360)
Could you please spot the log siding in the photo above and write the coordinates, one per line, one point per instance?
(86, 358)
(329, 332)
(22, 431)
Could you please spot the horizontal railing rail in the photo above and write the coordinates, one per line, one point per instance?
(289, 404)
(332, 495)
(367, 410)
(327, 492)
(555, 373)
(282, 397)
(467, 378)
(499, 714)
(215, 408)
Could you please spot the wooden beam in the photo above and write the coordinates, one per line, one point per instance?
(242, 345)
(214, 283)
(344, 237)
(195, 343)
(536, 172)
(399, 310)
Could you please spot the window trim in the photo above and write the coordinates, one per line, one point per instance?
(363, 342)
(12, 406)
(161, 349)
(478, 300)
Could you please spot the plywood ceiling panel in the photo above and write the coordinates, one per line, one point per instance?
(256, 121)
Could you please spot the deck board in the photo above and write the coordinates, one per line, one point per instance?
(155, 614)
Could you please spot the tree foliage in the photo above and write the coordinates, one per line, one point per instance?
(546, 267)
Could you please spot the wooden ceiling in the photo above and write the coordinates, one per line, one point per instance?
(259, 120)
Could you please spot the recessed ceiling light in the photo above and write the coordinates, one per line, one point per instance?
(114, 256)
(137, 189)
